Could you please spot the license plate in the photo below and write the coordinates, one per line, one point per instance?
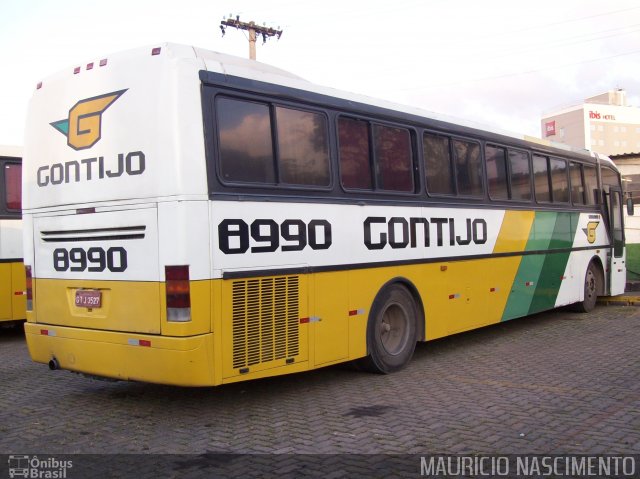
(86, 298)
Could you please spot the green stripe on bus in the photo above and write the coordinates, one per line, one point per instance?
(530, 267)
(554, 265)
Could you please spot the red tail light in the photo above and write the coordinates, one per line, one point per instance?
(178, 293)
(27, 271)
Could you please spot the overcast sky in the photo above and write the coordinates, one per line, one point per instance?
(498, 62)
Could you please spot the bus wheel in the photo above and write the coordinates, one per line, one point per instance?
(391, 330)
(592, 286)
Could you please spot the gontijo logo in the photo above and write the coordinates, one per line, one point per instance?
(84, 124)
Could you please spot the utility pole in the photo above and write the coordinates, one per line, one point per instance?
(253, 30)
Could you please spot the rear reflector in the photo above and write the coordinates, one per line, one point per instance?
(76, 70)
(178, 293)
(156, 51)
(27, 271)
(103, 62)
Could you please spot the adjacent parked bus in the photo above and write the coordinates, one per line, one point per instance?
(197, 219)
(12, 278)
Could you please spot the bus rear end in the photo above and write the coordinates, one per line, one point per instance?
(115, 207)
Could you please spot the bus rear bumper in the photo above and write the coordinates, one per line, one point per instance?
(177, 361)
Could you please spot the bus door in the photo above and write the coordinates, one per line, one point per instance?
(617, 269)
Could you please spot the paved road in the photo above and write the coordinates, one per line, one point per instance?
(558, 382)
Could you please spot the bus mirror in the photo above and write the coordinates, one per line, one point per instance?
(630, 206)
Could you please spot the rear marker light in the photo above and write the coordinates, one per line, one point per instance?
(178, 293)
(76, 70)
(47, 332)
(39, 85)
(139, 342)
(29, 292)
(103, 62)
(310, 319)
(90, 66)
(156, 51)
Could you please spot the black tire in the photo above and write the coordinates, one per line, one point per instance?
(391, 330)
(592, 287)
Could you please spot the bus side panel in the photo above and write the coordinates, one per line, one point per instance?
(553, 268)
(331, 319)
(590, 231)
(533, 280)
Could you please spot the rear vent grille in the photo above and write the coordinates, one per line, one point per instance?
(265, 320)
(95, 234)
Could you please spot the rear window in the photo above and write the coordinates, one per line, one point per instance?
(13, 186)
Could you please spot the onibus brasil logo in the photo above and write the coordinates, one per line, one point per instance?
(83, 126)
(32, 467)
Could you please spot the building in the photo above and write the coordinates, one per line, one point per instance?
(604, 124)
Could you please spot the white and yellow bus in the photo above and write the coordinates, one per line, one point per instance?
(12, 277)
(197, 219)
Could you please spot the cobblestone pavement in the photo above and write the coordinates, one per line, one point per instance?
(558, 382)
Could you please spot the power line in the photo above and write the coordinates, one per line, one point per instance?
(576, 40)
(507, 75)
(547, 25)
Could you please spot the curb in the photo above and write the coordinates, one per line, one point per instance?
(622, 300)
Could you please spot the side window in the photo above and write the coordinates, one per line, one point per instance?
(374, 156)
(520, 175)
(303, 147)
(559, 180)
(468, 168)
(577, 187)
(541, 178)
(355, 168)
(497, 172)
(393, 157)
(244, 134)
(591, 185)
(13, 186)
(438, 164)
(609, 178)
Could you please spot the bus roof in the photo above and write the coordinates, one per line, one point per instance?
(253, 70)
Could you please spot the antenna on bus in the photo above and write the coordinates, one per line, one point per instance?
(253, 29)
